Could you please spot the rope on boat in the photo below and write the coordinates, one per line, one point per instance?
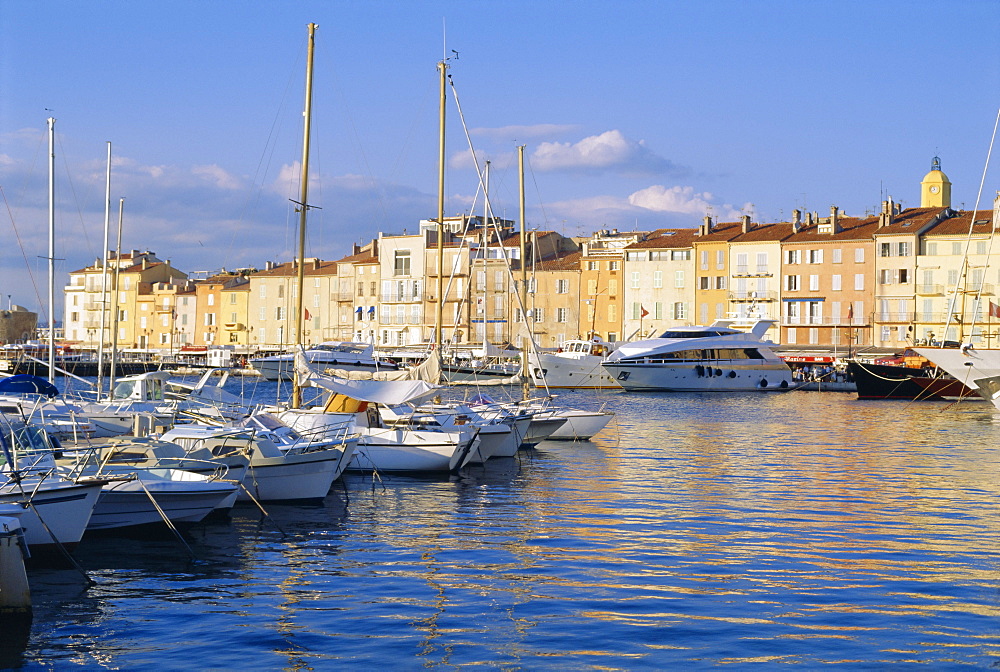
(166, 519)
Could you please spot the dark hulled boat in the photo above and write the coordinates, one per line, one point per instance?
(892, 381)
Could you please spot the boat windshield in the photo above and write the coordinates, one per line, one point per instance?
(698, 334)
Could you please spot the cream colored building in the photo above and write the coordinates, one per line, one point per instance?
(659, 283)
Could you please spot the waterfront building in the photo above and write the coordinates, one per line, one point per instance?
(711, 258)
(91, 292)
(601, 274)
(273, 299)
(235, 310)
(660, 283)
(554, 290)
(826, 289)
(896, 242)
(17, 324)
(755, 278)
(400, 313)
(347, 289)
(955, 284)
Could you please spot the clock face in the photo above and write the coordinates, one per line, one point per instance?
(934, 190)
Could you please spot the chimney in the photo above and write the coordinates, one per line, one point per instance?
(746, 223)
(996, 212)
(796, 220)
(706, 227)
(834, 219)
(144, 263)
(809, 219)
(268, 265)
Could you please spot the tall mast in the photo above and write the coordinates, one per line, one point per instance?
(52, 249)
(485, 256)
(439, 309)
(303, 207)
(104, 278)
(114, 322)
(529, 337)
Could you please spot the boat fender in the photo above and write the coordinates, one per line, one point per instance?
(699, 369)
(718, 372)
(784, 384)
(732, 374)
(763, 383)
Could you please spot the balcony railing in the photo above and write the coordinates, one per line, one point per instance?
(400, 297)
(753, 296)
(405, 319)
(759, 271)
(812, 321)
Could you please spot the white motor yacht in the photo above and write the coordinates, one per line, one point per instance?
(344, 355)
(577, 364)
(716, 358)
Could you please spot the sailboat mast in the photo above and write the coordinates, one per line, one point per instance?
(114, 322)
(529, 336)
(439, 309)
(303, 207)
(104, 278)
(52, 249)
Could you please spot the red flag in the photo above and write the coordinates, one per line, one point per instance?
(850, 313)
(307, 315)
(994, 310)
(643, 312)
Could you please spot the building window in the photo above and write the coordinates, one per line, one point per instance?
(704, 260)
(885, 249)
(703, 283)
(815, 256)
(792, 283)
(401, 262)
(859, 281)
(562, 286)
(837, 253)
(720, 282)
(592, 266)
(562, 315)
(635, 279)
(361, 288)
(657, 279)
(793, 256)
(680, 311)
(859, 255)
(813, 283)
(720, 259)
(835, 283)
(678, 280)
(904, 249)
(209, 319)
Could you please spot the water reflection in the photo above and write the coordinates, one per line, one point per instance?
(777, 528)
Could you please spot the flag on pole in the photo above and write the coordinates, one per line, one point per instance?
(307, 315)
(994, 310)
(850, 313)
(642, 312)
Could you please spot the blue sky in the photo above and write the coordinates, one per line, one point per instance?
(635, 115)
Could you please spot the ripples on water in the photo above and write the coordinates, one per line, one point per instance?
(704, 531)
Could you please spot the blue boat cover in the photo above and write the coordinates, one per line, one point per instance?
(27, 384)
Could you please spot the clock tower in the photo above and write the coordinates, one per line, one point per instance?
(935, 190)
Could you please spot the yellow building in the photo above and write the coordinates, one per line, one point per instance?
(711, 253)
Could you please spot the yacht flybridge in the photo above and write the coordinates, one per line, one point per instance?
(716, 358)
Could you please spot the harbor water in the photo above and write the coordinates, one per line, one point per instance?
(701, 531)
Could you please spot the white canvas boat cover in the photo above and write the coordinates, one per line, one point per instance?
(389, 392)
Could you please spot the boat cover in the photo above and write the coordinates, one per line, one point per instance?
(27, 384)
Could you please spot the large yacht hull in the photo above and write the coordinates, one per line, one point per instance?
(706, 376)
(570, 371)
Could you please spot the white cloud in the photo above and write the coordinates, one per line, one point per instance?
(609, 151)
(684, 200)
(218, 177)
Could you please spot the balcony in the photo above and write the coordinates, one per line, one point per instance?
(815, 321)
(753, 296)
(404, 320)
(758, 272)
(930, 290)
(234, 326)
(399, 297)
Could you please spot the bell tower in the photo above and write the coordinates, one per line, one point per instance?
(935, 190)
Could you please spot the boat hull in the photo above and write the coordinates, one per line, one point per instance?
(569, 371)
(883, 381)
(708, 376)
(66, 510)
